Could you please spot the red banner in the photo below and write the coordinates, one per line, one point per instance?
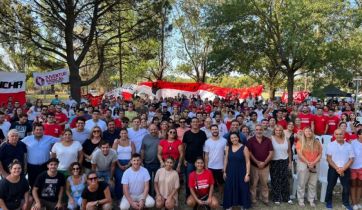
(298, 97)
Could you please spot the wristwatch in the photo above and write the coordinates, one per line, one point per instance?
(97, 203)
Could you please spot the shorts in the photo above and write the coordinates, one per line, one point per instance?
(218, 176)
(356, 173)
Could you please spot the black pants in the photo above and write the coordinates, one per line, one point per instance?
(332, 180)
(34, 171)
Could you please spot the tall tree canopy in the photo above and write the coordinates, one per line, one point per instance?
(281, 37)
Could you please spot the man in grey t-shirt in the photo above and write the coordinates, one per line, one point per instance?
(104, 161)
(80, 133)
(149, 151)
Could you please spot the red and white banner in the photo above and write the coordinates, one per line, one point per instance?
(298, 97)
(12, 85)
(51, 78)
(172, 89)
(126, 92)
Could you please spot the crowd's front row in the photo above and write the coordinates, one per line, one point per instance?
(244, 161)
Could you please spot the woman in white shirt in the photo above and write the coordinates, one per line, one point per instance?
(67, 151)
(279, 166)
(356, 171)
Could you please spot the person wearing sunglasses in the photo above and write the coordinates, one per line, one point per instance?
(89, 146)
(171, 147)
(75, 185)
(182, 128)
(97, 194)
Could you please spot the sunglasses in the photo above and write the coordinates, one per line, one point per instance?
(97, 131)
(75, 169)
(92, 178)
(172, 132)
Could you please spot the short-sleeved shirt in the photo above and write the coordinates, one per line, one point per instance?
(88, 149)
(320, 123)
(13, 193)
(52, 129)
(110, 137)
(260, 150)
(201, 183)
(39, 150)
(170, 149)
(357, 149)
(66, 154)
(215, 150)
(8, 153)
(150, 147)
(135, 180)
(136, 137)
(194, 145)
(80, 136)
(167, 182)
(306, 120)
(102, 161)
(49, 187)
(332, 123)
(340, 153)
(96, 195)
(23, 129)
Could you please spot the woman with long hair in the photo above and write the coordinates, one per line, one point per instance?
(163, 129)
(171, 147)
(124, 148)
(167, 184)
(201, 184)
(14, 189)
(75, 185)
(67, 151)
(90, 145)
(236, 174)
(309, 154)
(279, 166)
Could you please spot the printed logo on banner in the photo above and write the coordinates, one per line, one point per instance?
(39, 81)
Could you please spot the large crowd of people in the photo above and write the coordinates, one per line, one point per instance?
(137, 154)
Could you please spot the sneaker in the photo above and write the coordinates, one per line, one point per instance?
(355, 207)
(312, 204)
(329, 206)
(359, 206)
(290, 202)
(277, 203)
(349, 207)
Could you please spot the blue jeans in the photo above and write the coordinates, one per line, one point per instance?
(188, 169)
(152, 169)
(118, 173)
(332, 180)
(104, 175)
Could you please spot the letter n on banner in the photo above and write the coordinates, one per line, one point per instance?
(12, 84)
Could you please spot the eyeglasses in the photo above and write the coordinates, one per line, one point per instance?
(96, 131)
(92, 178)
(339, 134)
(172, 132)
(75, 169)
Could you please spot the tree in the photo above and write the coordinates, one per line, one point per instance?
(68, 30)
(290, 37)
(195, 41)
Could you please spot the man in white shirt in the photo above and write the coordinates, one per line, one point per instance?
(71, 102)
(207, 127)
(135, 183)
(4, 125)
(96, 120)
(214, 149)
(222, 127)
(80, 133)
(136, 134)
(340, 157)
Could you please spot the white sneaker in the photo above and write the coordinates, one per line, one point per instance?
(355, 207)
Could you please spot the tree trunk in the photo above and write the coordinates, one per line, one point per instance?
(271, 90)
(290, 85)
(75, 83)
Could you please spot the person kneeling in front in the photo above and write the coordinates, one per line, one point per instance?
(135, 183)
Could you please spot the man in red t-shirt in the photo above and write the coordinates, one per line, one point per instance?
(320, 122)
(51, 128)
(332, 122)
(280, 120)
(306, 118)
(60, 118)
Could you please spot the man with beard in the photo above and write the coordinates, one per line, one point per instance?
(235, 127)
(214, 156)
(218, 121)
(306, 118)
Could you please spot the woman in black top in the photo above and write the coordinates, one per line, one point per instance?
(96, 194)
(14, 189)
(89, 146)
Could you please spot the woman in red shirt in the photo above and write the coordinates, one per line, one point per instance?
(171, 147)
(201, 184)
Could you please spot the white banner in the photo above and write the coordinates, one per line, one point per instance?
(125, 89)
(51, 78)
(12, 82)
